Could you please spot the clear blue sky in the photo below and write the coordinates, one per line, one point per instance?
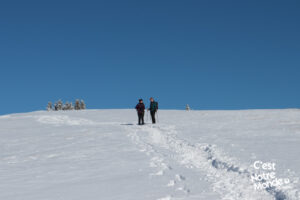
(209, 54)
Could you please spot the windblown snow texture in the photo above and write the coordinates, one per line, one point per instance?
(103, 154)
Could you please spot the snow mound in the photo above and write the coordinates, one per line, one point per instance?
(63, 120)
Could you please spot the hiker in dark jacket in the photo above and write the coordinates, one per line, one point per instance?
(153, 109)
(140, 108)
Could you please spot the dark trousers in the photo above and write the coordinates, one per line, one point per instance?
(153, 116)
(141, 118)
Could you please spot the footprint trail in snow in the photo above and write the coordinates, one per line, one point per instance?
(226, 177)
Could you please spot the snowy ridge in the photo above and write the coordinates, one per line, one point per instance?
(187, 156)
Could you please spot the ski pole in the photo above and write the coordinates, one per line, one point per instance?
(157, 116)
(147, 115)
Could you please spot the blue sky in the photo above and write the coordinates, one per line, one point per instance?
(209, 54)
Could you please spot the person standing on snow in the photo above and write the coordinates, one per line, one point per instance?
(140, 108)
(153, 109)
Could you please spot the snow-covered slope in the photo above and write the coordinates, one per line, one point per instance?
(103, 154)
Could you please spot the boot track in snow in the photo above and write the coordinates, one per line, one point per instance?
(227, 178)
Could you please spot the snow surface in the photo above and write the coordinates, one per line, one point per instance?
(103, 154)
